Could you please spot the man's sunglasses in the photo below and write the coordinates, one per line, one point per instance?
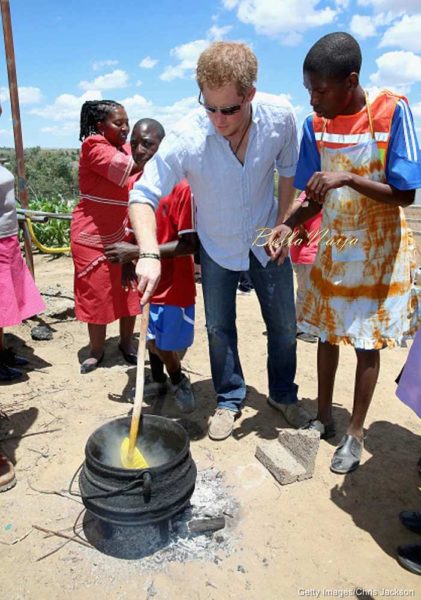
(227, 110)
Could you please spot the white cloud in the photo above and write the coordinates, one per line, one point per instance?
(139, 107)
(148, 62)
(111, 81)
(398, 7)
(64, 113)
(135, 104)
(416, 110)
(70, 128)
(66, 107)
(292, 39)
(139, 83)
(284, 17)
(365, 26)
(100, 64)
(169, 115)
(27, 95)
(187, 55)
(374, 90)
(299, 110)
(405, 34)
(400, 69)
(218, 33)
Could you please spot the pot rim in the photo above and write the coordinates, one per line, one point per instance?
(131, 472)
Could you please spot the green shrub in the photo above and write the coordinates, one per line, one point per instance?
(56, 232)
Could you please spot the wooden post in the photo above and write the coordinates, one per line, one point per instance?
(22, 188)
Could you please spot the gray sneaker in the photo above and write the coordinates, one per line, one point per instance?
(221, 424)
(183, 395)
(294, 414)
(154, 388)
(151, 389)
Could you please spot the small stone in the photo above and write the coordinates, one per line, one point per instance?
(241, 569)
(151, 591)
(41, 332)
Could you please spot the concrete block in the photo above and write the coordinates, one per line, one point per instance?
(278, 461)
(292, 456)
(303, 444)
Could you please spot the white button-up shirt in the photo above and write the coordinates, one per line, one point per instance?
(232, 200)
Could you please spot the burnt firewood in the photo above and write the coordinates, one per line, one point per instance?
(205, 525)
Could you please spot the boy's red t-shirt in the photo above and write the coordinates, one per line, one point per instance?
(175, 215)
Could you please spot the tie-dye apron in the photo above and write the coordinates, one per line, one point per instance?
(362, 290)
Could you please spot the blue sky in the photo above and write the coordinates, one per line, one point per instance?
(143, 54)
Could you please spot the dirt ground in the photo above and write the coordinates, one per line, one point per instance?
(330, 536)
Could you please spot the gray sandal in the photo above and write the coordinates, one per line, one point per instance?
(347, 455)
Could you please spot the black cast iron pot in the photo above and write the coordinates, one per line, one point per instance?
(138, 496)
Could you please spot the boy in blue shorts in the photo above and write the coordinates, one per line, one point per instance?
(172, 308)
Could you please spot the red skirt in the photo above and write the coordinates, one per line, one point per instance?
(99, 296)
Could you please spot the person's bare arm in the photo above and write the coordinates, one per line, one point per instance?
(322, 182)
(124, 252)
(286, 196)
(148, 270)
(121, 252)
(187, 243)
(299, 213)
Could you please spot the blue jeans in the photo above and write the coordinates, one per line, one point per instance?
(274, 288)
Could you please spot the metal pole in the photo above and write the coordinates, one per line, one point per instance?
(17, 129)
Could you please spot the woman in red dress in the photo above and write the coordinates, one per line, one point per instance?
(100, 219)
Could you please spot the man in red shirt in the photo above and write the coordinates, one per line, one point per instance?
(171, 320)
